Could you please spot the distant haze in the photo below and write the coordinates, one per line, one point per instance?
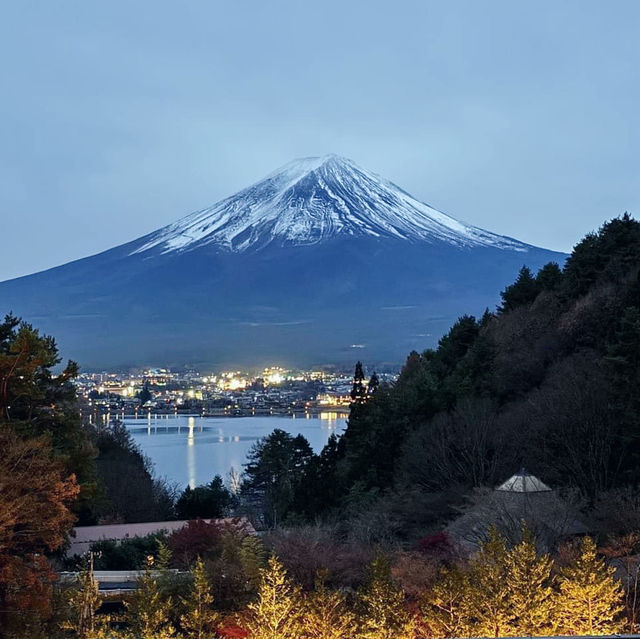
(118, 118)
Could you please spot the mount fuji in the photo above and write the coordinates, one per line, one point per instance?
(321, 262)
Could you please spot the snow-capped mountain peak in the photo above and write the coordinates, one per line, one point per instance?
(310, 200)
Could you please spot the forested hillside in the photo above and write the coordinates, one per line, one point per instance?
(550, 380)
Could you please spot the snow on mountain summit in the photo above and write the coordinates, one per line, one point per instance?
(310, 200)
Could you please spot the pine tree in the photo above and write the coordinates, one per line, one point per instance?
(532, 604)
(148, 611)
(276, 613)
(358, 393)
(200, 620)
(325, 614)
(589, 600)
(374, 383)
(444, 609)
(489, 592)
(382, 613)
(523, 291)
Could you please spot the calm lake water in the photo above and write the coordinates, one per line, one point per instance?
(191, 450)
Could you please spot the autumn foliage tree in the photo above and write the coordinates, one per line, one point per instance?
(36, 402)
(35, 498)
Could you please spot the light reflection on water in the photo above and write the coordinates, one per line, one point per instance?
(192, 449)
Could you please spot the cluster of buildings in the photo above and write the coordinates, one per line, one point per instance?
(274, 390)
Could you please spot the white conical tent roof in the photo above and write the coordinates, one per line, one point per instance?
(523, 482)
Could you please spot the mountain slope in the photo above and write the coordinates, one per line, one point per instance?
(320, 262)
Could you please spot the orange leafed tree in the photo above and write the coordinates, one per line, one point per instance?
(35, 496)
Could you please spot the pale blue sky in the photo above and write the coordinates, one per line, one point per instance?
(117, 118)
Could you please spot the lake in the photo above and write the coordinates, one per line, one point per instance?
(191, 450)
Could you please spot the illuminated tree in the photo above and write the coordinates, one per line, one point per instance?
(444, 609)
(382, 614)
(84, 602)
(532, 603)
(325, 614)
(200, 621)
(276, 614)
(252, 557)
(489, 592)
(590, 600)
(148, 611)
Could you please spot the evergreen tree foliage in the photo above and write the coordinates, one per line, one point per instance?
(148, 610)
(382, 612)
(145, 394)
(200, 620)
(326, 615)
(445, 608)
(549, 277)
(589, 599)
(523, 291)
(358, 392)
(489, 591)
(374, 383)
(531, 596)
(609, 255)
(557, 365)
(252, 560)
(83, 602)
(209, 501)
(276, 614)
(37, 402)
(320, 488)
(276, 465)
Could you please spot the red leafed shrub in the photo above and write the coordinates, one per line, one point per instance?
(196, 539)
(232, 632)
(437, 545)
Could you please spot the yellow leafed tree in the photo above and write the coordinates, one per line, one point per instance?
(382, 613)
(200, 620)
(444, 609)
(148, 611)
(276, 614)
(589, 599)
(489, 592)
(325, 614)
(531, 599)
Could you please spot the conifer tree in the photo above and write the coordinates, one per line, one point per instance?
(444, 609)
(200, 620)
(148, 611)
(532, 603)
(252, 559)
(358, 392)
(382, 614)
(325, 614)
(276, 614)
(84, 602)
(374, 383)
(523, 291)
(589, 600)
(489, 592)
